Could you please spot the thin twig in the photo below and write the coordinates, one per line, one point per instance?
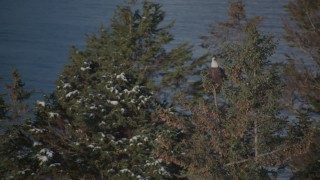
(257, 157)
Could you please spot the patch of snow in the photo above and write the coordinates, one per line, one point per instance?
(37, 130)
(136, 89)
(163, 171)
(102, 134)
(42, 158)
(92, 146)
(126, 91)
(140, 177)
(36, 143)
(67, 85)
(53, 115)
(112, 89)
(55, 164)
(23, 171)
(93, 107)
(80, 101)
(134, 138)
(102, 123)
(97, 147)
(85, 68)
(159, 160)
(111, 171)
(41, 103)
(79, 160)
(156, 162)
(122, 76)
(72, 93)
(47, 152)
(126, 171)
(79, 131)
(110, 136)
(113, 102)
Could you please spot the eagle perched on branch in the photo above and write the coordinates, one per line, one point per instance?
(217, 74)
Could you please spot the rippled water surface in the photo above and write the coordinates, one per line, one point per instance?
(36, 35)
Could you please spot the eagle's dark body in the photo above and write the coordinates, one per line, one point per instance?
(218, 76)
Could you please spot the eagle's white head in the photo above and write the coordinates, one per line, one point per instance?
(214, 63)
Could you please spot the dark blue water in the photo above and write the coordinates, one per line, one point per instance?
(36, 35)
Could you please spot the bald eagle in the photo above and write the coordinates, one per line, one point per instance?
(217, 74)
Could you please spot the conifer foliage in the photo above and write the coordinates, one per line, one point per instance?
(105, 119)
(302, 32)
(97, 123)
(14, 112)
(244, 135)
(303, 79)
(18, 95)
(3, 107)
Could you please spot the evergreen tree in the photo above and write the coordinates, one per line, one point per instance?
(302, 33)
(105, 133)
(98, 122)
(14, 108)
(244, 136)
(18, 96)
(14, 142)
(3, 108)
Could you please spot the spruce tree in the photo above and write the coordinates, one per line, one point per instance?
(244, 136)
(3, 108)
(14, 106)
(14, 112)
(302, 33)
(98, 122)
(17, 106)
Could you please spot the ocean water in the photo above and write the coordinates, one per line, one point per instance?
(36, 35)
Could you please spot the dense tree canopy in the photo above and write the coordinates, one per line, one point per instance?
(303, 79)
(99, 119)
(244, 131)
(106, 119)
